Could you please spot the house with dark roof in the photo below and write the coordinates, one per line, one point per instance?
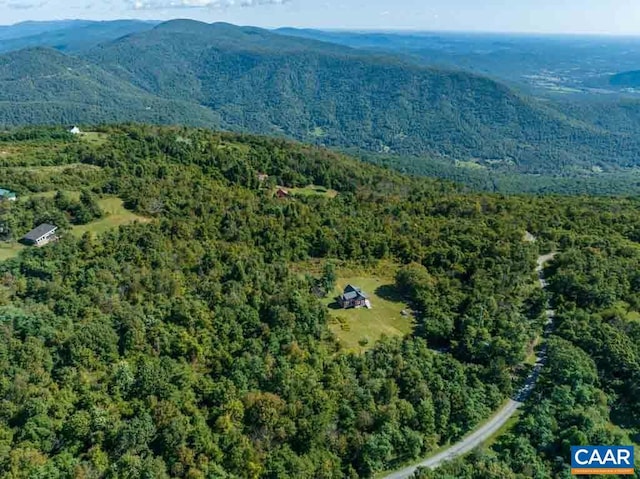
(353, 297)
(40, 235)
(7, 195)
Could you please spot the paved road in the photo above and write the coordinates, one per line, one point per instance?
(500, 418)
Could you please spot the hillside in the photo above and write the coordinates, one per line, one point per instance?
(31, 28)
(263, 82)
(629, 79)
(43, 86)
(68, 36)
(194, 334)
(555, 67)
(253, 80)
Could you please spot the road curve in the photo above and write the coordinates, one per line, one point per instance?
(499, 419)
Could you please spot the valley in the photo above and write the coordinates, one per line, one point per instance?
(236, 252)
(370, 102)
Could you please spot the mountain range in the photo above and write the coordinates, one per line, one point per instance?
(254, 80)
(67, 35)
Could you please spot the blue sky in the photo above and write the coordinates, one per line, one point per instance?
(549, 16)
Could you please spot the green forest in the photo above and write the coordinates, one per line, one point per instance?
(194, 341)
(415, 118)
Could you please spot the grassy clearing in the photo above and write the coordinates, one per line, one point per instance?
(633, 316)
(471, 165)
(71, 194)
(53, 169)
(317, 132)
(94, 138)
(358, 329)
(28, 154)
(9, 250)
(311, 190)
(115, 215)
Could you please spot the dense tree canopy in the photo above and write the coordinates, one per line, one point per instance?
(191, 346)
(423, 120)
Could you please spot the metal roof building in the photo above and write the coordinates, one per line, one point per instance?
(40, 235)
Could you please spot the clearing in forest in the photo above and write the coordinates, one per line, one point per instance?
(358, 329)
(94, 138)
(115, 214)
(9, 250)
(310, 190)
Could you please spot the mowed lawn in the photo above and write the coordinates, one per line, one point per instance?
(115, 215)
(359, 329)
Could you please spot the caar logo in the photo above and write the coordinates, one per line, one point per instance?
(602, 460)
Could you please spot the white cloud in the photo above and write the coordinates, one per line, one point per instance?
(213, 4)
(24, 4)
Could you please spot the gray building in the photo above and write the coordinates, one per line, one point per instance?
(40, 235)
(353, 297)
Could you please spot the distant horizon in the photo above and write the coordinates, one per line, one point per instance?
(611, 18)
(385, 30)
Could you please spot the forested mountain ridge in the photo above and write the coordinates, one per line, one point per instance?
(67, 36)
(268, 83)
(194, 345)
(42, 86)
(553, 66)
(253, 80)
(31, 28)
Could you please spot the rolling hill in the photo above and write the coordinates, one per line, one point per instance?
(630, 79)
(549, 66)
(31, 28)
(44, 86)
(67, 36)
(254, 80)
(314, 91)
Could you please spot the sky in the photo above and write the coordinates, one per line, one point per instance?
(616, 17)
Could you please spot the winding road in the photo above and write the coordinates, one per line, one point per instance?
(499, 419)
